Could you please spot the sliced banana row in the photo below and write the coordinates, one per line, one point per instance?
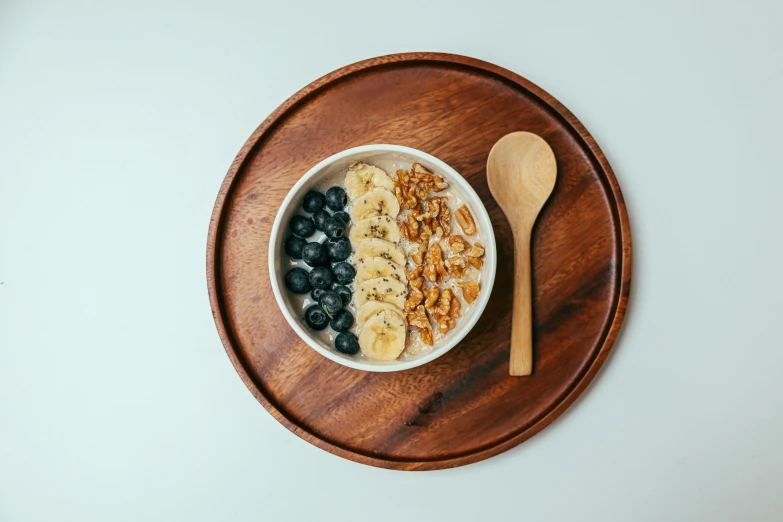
(379, 227)
(372, 308)
(362, 177)
(375, 247)
(383, 336)
(375, 202)
(381, 289)
(381, 286)
(372, 267)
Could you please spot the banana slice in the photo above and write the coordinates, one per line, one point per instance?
(375, 202)
(372, 267)
(371, 308)
(378, 248)
(383, 289)
(382, 227)
(383, 336)
(362, 178)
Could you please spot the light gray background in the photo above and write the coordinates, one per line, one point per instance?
(118, 122)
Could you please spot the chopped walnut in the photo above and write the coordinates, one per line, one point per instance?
(405, 190)
(431, 299)
(418, 318)
(444, 303)
(465, 220)
(443, 323)
(475, 256)
(458, 243)
(476, 251)
(415, 298)
(448, 319)
(417, 283)
(433, 264)
(418, 255)
(455, 308)
(456, 266)
(470, 290)
(433, 209)
(436, 220)
(430, 181)
(444, 219)
(426, 230)
(426, 336)
(414, 274)
(410, 229)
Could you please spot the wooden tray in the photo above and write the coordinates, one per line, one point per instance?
(463, 407)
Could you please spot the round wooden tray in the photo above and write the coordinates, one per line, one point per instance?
(463, 407)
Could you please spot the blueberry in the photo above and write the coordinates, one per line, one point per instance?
(320, 277)
(344, 218)
(347, 343)
(339, 249)
(315, 294)
(344, 292)
(320, 218)
(294, 246)
(336, 198)
(333, 228)
(316, 318)
(297, 281)
(302, 226)
(343, 272)
(314, 254)
(342, 321)
(313, 201)
(331, 303)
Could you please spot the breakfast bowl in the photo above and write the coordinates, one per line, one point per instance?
(391, 315)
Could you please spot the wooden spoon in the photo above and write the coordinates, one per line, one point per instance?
(521, 172)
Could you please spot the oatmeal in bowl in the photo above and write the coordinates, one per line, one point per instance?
(382, 258)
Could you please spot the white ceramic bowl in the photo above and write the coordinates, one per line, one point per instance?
(334, 168)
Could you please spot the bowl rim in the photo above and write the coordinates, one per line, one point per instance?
(470, 196)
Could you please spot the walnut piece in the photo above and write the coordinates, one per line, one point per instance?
(418, 255)
(455, 308)
(475, 256)
(425, 231)
(405, 190)
(465, 220)
(433, 209)
(434, 268)
(410, 229)
(414, 274)
(444, 303)
(418, 318)
(456, 266)
(415, 298)
(458, 243)
(424, 177)
(448, 320)
(440, 310)
(444, 219)
(431, 299)
(470, 290)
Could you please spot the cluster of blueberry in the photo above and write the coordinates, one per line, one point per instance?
(329, 274)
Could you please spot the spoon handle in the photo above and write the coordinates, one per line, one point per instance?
(521, 361)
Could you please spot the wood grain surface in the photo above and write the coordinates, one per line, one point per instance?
(464, 406)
